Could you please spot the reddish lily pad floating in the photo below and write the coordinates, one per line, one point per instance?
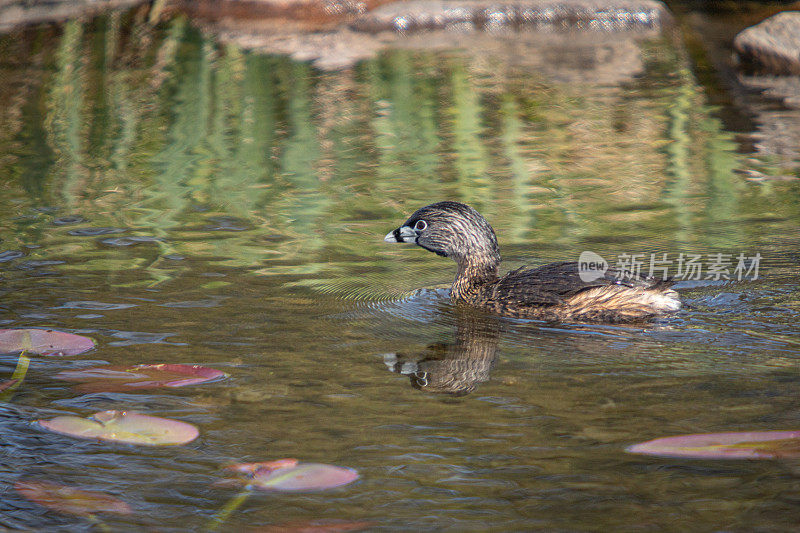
(735, 445)
(43, 342)
(124, 426)
(289, 475)
(127, 378)
(70, 500)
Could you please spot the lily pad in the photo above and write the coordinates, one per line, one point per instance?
(289, 475)
(251, 469)
(734, 445)
(124, 426)
(127, 378)
(70, 500)
(43, 342)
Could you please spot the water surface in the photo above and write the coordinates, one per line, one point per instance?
(184, 201)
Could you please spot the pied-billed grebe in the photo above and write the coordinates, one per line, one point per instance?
(551, 292)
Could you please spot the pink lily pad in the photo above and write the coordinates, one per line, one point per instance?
(43, 342)
(124, 426)
(288, 475)
(127, 378)
(251, 469)
(70, 500)
(734, 445)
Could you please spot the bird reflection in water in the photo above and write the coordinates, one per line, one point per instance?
(456, 368)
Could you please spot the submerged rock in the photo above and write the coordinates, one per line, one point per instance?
(571, 39)
(14, 13)
(773, 45)
(302, 15)
(573, 56)
(605, 15)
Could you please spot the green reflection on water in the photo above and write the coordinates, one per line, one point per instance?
(161, 131)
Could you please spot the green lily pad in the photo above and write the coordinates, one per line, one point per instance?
(70, 500)
(124, 426)
(43, 342)
(733, 445)
(129, 378)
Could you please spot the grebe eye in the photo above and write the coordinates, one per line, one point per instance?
(420, 225)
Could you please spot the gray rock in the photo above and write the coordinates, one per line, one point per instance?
(772, 45)
(603, 15)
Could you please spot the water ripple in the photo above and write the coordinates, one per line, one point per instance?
(129, 241)
(10, 255)
(209, 302)
(69, 219)
(227, 224)
(139, 337)
(30, 265)
(92, 232)
(95, 306)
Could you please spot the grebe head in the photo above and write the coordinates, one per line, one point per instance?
(450, 229)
